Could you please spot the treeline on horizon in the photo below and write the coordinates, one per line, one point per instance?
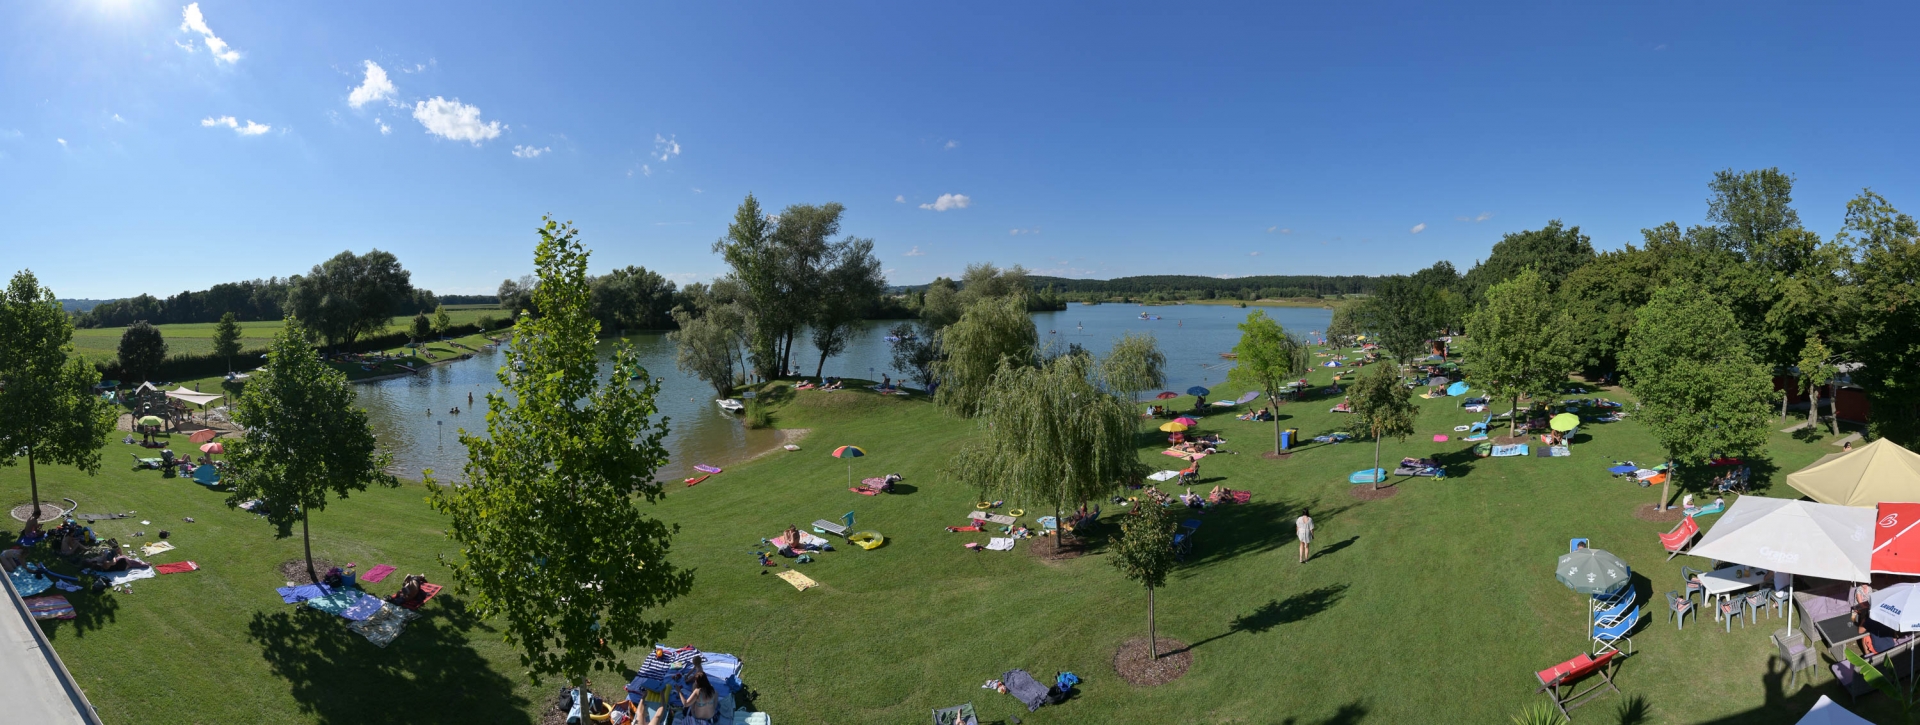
(1173, 287)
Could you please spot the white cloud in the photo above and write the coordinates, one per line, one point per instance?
(949, 201)
(455, 120)
(644, 170)
(62, 141)
(1018, 232)
(1278, 230)
(1253, 254)
(192, 20)
(665, 147)
(698, 190)
(951, 145)
(248, 129)
(11, 133)
(1485, 215)
(118, 119)
(384, 128)
(1418, 228)
(900, 199)
(915, 252)
(376, 87)
(529, 152)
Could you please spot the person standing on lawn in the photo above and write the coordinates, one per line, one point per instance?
(1303, 528)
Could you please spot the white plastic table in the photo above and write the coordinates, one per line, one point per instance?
(1722, 582)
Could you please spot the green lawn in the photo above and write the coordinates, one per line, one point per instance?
(104, 342)
(1435, 605)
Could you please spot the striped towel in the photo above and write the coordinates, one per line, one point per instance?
(50, 607)
(657, 668)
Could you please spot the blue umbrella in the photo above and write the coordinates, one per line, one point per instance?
(1459, 388)
(1249, 397)
(1197, 390)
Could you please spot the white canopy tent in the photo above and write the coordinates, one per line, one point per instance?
(1796, 537)
(1828, 712)
(193, 396)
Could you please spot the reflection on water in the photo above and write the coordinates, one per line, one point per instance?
(1192, 336)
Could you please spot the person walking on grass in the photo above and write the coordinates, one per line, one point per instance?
(1303, 528)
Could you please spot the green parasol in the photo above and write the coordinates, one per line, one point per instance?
(1565, 422)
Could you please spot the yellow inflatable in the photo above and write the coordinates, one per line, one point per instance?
(867, 540)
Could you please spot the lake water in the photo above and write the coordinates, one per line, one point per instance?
(1191, 336)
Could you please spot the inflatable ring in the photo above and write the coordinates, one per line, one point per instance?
(983, 505)
(868, 540)
(1135, 499)
(1016, 513)
(603, 714)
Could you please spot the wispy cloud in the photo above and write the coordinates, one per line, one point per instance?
(375, 87)
(698, 190)
(1482, 216)
(530, 152)
(1018, 232)
(118, 119)
(949, 201)
(645, 170)
(382, 125)
(455, 120)
(193, 21)
(1418, 228)
(951, 145)
(1253, 254)
(915, 252)
(61, 141)
(248, 129)
(1278, 230)
(900, 199)
(665, 147)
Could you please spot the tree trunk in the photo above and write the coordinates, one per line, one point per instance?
(1835, 397)
(1665, 491)
(307, 542)
(1153, 640)
(1513, 417)
(1813, 407)
(1376, 472)
(1276, 426)
(1059, 530)
(1784, 397)
(33, 482)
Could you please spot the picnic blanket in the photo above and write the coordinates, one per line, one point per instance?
(1001, 519)
(376, 574)
(805, 538)
(29, 583)
(956, 715)
(1164, 476)
(1560, 451)
(1000, 543)
(337, 601)
(1517, 449)
(117, 578)
(384, 625)
(362, 608)
(1623, 469)
(156, 547)
(1024, 688)
(304, 592)
(178, 567)
(52, 606)
(798, 580)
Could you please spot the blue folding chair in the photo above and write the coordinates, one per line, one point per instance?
(1573, 545)
(1183, 541)
(1608, 638)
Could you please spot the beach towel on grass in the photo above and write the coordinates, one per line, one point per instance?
(49, 607)
(798, 580)
(336, 602)
(999, 543)
(1024, 688)
(296, 595)
(1177, 453)
(1164, 476)
(384, 625)
(117, 578)
(178, 567)
(376, 574)
(1517, 449)
(1371, 475)
(29, 583)
(362, 608)
(1001, 519)
(156, 547)
(1561, 451)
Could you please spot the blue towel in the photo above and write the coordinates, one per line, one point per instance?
(362, 608)
(1622, 470)
(337, 602)
(296, 595)
(29, 583)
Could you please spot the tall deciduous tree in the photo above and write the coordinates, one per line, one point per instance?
(1134, 364)
(1816, 371)
(421, 328)
(1144, 553)
(1049, 436)
(305, 440)
(1701, 392)
(633, 298)
(1403, 315)
(1886, 306)
(707, 345)
(1522, 345)
(1384, 408)
(442, 322)
(48, 412)
(848, 288)
(915, 350)
(352, 295)
(992, 333)
(1554, 251)
(552, 537)
(226, 338)
(1267, 358)
(142, 350)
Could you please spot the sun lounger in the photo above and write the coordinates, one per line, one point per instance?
(830, 527)
(1563, 676)
(1675, 541)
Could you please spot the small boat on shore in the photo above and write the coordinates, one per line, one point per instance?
(730, 405)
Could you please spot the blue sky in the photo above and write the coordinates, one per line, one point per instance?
(155, 147)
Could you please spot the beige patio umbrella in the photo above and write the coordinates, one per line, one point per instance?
(1872, 474)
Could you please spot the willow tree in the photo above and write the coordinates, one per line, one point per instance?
(48, 412)
(1050, 436)
(1267, 358)
(992, 334)
(1134, 364)
(552, 537)
(306, 438)
(1522, 345)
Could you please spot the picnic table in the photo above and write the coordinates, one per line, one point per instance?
(1722, 582)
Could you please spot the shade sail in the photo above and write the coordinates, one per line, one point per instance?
(1828, 712)
(1797, 537)
(1873, 473)
(1896, 545)
(193, 396)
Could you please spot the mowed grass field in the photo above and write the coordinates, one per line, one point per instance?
(197, 338)
(1435, 605)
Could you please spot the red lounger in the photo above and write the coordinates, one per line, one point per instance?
(1563, 676)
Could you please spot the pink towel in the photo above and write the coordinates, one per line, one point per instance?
(376, 574)
(178, 567)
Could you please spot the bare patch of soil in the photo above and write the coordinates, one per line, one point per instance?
(1364, 492)
(1509, 440)
(49, 511)
(1133, 665)
(1648, 512)
(1051, 548)
(295, 570)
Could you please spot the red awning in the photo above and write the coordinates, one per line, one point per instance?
(1896, 539)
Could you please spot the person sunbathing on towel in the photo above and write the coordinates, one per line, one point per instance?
(114, 560)
(411, 594)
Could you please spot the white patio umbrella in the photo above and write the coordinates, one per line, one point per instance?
(1796, 537)
(1898, 607)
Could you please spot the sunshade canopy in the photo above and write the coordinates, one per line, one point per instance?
(193, 396)
(1797, 537)
(1197, 390)
(848, 452)
(1184, 420)
(1173, 426)
(1248, 397)
(1896, 547)
(1565, 422)
(152, 420)
(1898, 607)
(1828, 712)
(213, 448)
(1168, 395)
(1590, 571)
(204, 435)
(1876, 472)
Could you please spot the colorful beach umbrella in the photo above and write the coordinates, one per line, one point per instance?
(1184, 420)
(1458, 389)
(1248, 397)
(152, 420)
(1173, 426)
(204, 435)
(849, 452)
(213, 448)
(1197, 390)
(1169, 395)
(1564, 422)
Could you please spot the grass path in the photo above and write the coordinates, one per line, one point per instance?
(1433, 606)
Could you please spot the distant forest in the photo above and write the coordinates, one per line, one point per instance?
(1198, 287)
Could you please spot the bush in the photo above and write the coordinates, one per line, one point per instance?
(486, 323)
(758, 417)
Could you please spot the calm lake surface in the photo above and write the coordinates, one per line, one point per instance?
(1191, 336)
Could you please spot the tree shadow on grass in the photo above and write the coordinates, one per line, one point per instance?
(92, 610)
(1635, 711)
(339, 677)
(1250, 528)
(1275, 613)
(1348, 714)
